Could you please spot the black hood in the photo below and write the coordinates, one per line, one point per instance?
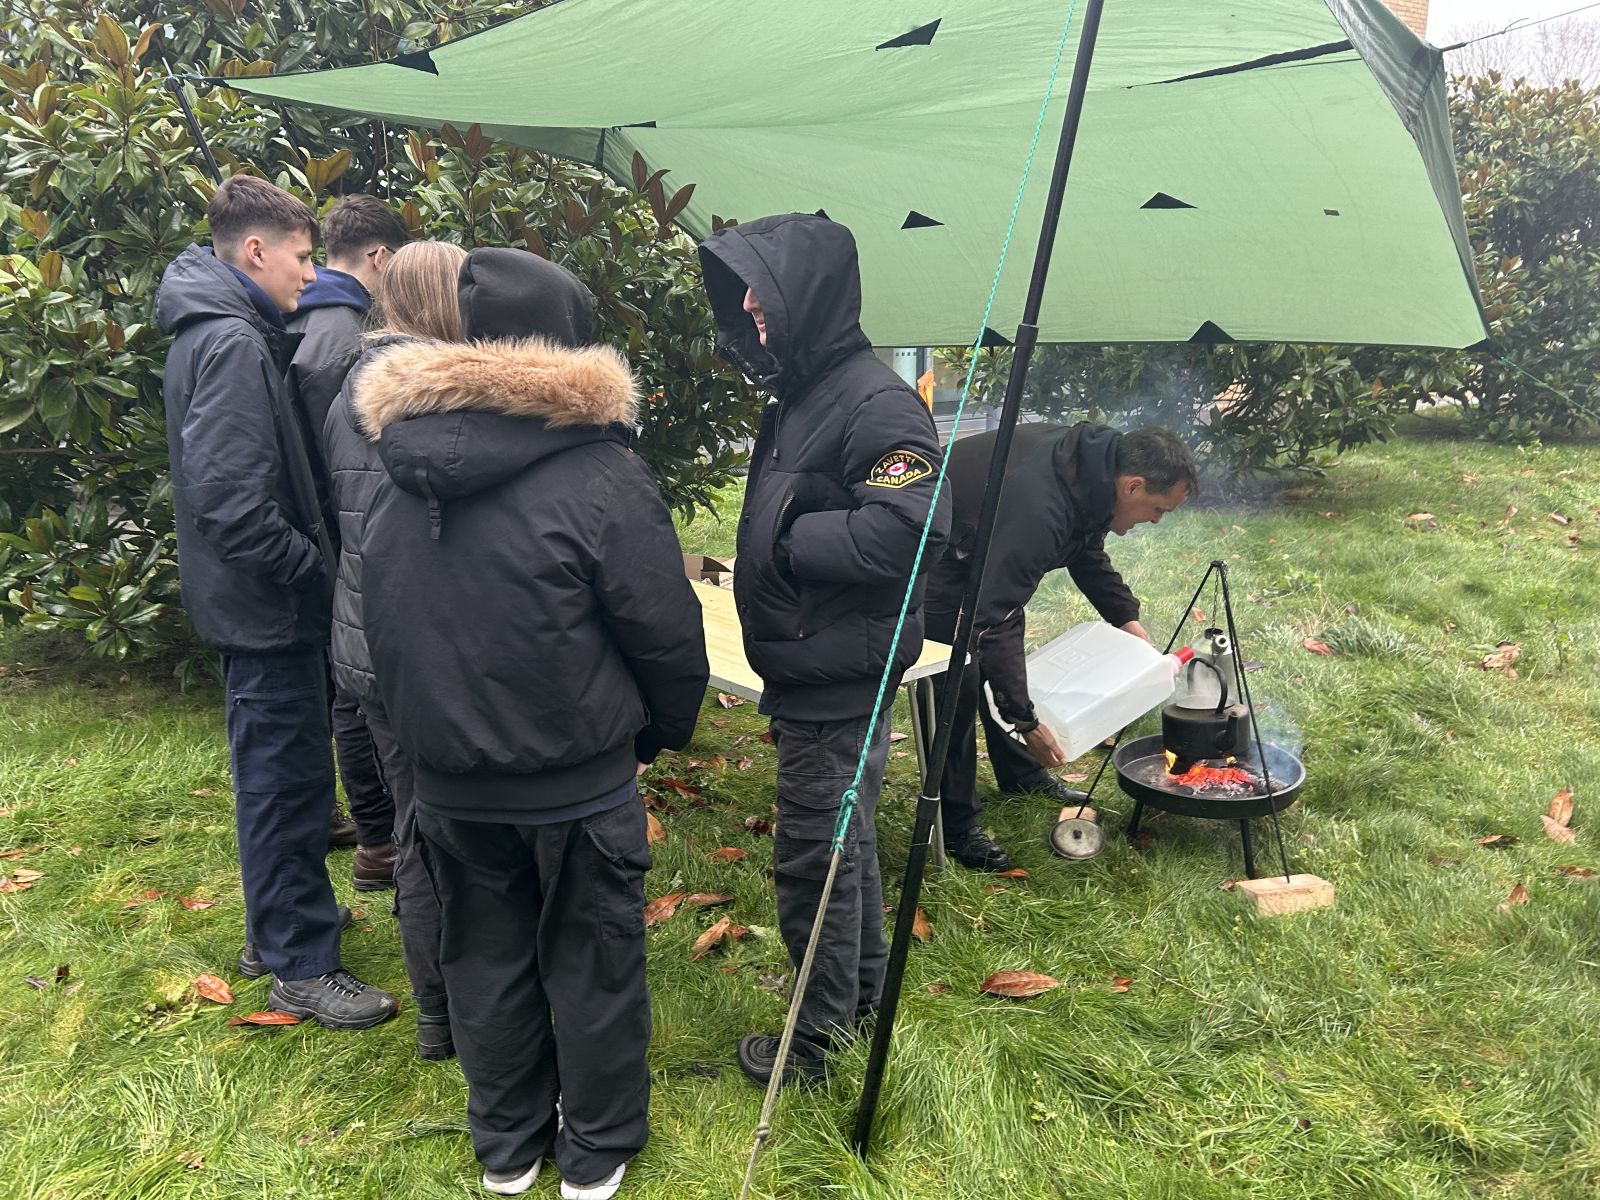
(1092, 473)
(508, 293)
(197, 286)
(803, 269)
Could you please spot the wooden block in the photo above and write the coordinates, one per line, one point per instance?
(1275, 896)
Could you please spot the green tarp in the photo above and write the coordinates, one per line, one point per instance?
(1261, 170)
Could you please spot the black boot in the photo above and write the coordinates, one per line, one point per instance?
(433, 1031)
(758, 1058)
(341, 831)
(976, 850)
(1046, 784)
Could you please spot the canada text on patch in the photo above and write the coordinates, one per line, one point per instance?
(898, 468)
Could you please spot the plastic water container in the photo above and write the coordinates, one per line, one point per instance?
(1094, 679)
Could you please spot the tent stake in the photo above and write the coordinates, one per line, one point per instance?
(928, 802)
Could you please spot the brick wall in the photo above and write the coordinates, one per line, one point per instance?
(1413, 12)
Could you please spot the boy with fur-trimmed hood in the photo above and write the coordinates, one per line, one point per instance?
(535, 642)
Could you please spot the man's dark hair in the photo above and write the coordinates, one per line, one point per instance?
(1160, 457)
(243, 204)
(355, 223)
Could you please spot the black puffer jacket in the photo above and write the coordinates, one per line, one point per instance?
(531, 629)
(1055, 511)
(329, 319)
(356, 473)
(253, 574)
(841, 476)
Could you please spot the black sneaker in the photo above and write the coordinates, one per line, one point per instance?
(250, 964)
(976, 850)
(758, 1057)
(337, 1000)
(1045, 784)
(341, 831)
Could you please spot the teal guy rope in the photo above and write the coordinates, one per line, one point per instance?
(847, 801)
(1549, 387)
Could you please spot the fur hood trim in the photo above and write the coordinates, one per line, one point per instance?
(591, 385)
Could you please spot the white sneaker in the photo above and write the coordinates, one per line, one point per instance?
(602, 1189)
(512, 1185)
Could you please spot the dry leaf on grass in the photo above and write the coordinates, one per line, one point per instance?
(7, 884)
(1502, 658)
(938, 989)
(654, 831)
(149, 894)
(1226, 885)
(1011, 873)
(1559, 519)
(1120, 983)
(1519, 895)
(213, 989)
(23, 875)
(726, 854)
(723, 931)
(989, 889)
(1074, 777)
(662, 907)
(1560, 809)
(203, 792)
(759, 826)
(1498, 841)
(1018, 985)
(1575, 872)
(1511, 511)
(897, 736)
(13, 853)
(195, 904)
(1318, 647)
(921, 929)
(1444, 862)
(744, 764)
(265, 1018)
(1423, 520)
(729, 700)
(1556, 831)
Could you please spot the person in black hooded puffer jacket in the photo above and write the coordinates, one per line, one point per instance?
(534, 641)
(841, 479)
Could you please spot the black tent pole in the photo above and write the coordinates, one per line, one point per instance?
(928, 802)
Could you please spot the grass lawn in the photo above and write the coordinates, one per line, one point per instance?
(1416, 1041)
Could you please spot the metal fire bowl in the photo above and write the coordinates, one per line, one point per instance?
(1146, 758)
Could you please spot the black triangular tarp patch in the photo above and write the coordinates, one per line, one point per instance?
(915, 220)
(922, 35)
(991, 339)
(417, 60)
(823, 213)
(1210, 334)
(1162, 200)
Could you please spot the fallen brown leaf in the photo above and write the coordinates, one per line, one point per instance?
(1198, 615)
(1556, 831)
(744, 764)
(213, 989)
(1423, 520)
(1575, 872)
(938, 989)
(990, 889)
(1318, 647)
(1511, 511)
(63, 972)
(7, 884)
(1559, 519)
(655, 832)
(1519, 895)
(1498, 841)
(1018, 985)
(204, 792)
(1560, 809)
(709, 899)
(727, 854)
(35, 981)
(897, 736)
(195, 904)
(1469, 479)
(1444, 862)
(269, 1017)
(1120, 983)
(192, 1159)
(1011, 873)
(24, 875)
(921, 929)
(1226, 885)
(710, 939)
(662, 907)
(13, 854)
(1502, 658)
(759, 826)
(729, 700)
(1074, 777)
(686, 790)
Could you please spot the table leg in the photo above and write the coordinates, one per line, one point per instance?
(920, 695)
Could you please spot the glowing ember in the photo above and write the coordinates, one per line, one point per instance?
(1205, 778)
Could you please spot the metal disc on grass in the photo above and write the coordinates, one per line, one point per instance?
(1077, 838)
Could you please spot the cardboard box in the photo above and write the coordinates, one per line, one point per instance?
(703, 568)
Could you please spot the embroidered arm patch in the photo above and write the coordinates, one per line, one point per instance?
(899, 468)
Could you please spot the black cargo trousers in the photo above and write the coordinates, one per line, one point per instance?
(816, 762)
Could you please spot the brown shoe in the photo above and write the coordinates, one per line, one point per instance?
(374, 869)
(341, 831)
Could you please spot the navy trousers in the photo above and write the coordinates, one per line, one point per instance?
(282, 752)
